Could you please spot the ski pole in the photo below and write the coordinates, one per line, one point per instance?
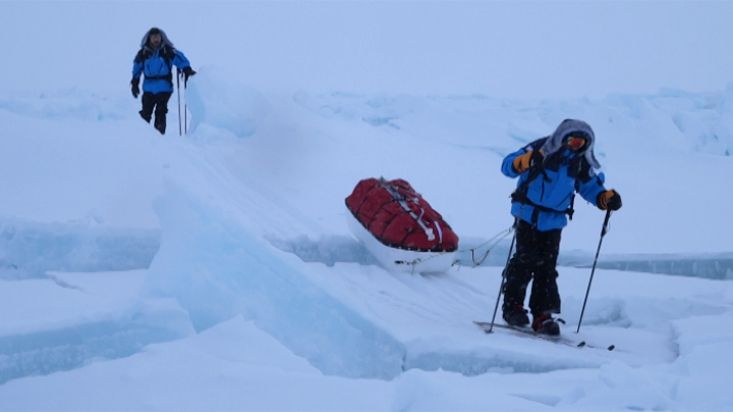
(503, 277)
(604, 230)
(178, 93)
(185, 107)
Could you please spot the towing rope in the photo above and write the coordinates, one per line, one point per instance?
(493, 241)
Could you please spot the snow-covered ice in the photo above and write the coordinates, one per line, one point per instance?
(217, 272)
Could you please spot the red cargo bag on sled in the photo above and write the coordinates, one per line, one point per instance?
(399, 227)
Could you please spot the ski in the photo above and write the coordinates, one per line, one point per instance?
(485, 326)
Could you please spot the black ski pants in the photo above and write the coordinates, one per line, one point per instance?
(159, 103)
(535, 259)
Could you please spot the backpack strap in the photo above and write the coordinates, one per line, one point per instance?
(141, 55)
(536, 167)
(168, 54)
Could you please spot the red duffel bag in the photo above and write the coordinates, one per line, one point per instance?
(399, 217)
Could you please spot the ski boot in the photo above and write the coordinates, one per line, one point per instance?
(146, 118)
(160, 124)
(546, 325)
(515, 316)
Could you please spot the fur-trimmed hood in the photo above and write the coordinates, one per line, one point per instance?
(164, 40)
(567, 127)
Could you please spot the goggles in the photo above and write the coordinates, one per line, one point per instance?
(575, 142)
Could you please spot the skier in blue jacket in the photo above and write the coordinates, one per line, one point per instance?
(550, 171)
(155, 60)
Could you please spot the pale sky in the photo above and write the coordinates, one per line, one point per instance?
(504, 49)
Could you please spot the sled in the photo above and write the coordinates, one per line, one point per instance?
(400, 228)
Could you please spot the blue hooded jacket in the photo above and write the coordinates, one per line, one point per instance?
(545, 192)
(157, 64)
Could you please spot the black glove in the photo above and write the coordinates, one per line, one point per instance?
(609, 200)
(187, 72)
(135, 87)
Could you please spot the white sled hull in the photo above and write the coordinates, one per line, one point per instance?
(400, 260)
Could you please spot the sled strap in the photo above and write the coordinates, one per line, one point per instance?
(440, 231)
(402, 201)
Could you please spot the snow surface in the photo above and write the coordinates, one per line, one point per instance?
(217, 272)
